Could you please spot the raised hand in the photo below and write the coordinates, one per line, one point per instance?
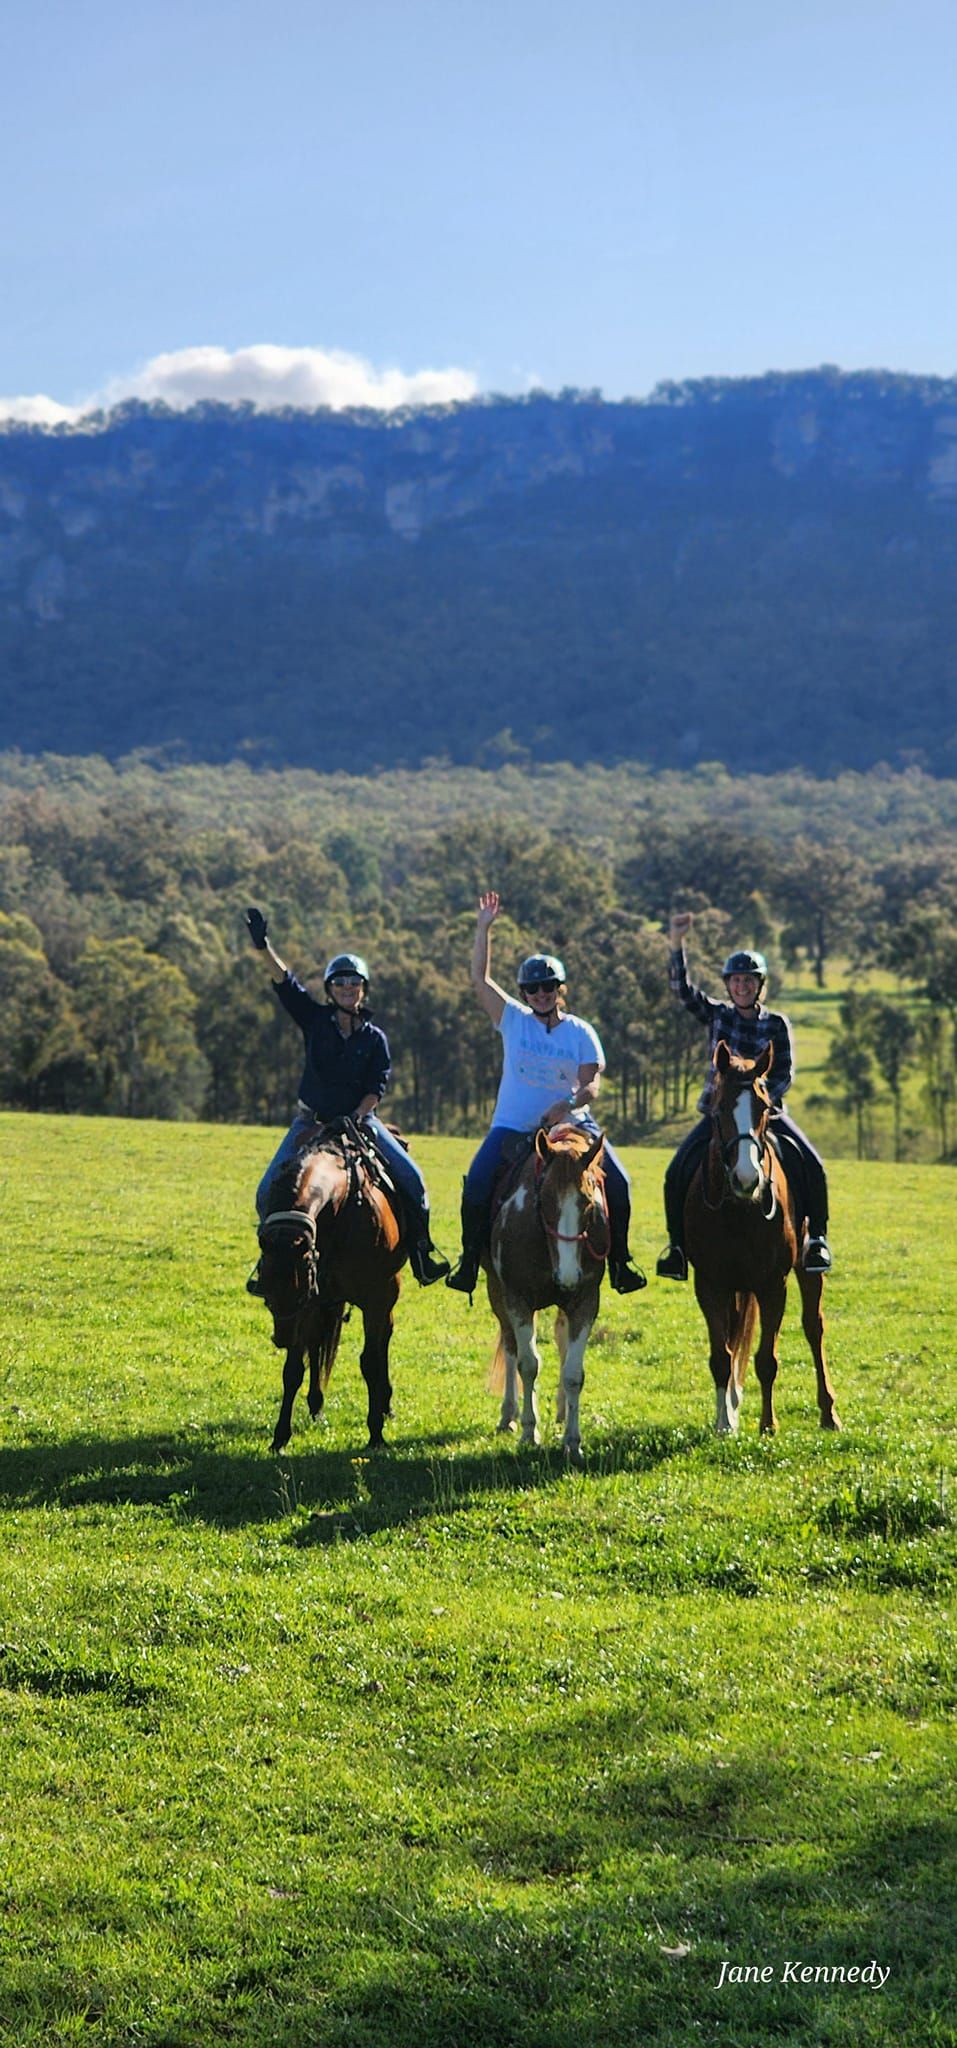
(488, 909)
(256, 925)
(681, 923)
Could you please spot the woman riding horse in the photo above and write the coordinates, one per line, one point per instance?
(551, 1067)
(346, 1071)
(746, 1028)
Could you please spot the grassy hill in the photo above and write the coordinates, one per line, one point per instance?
(450, 1743)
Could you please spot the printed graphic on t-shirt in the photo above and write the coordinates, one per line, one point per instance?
(540, 1066)
(537, 1070)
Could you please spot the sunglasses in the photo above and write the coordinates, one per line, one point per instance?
(537, 988)
(346, 981)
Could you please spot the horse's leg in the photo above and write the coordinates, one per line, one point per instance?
(717, 1307)
(506, 1354)
(561, 1339)
(812, 1321)
(374, 1364)
(771, 1300)
(315, 1395)
(577, 1332)
(523, 1324)
(509, 1415)
(293, 1373)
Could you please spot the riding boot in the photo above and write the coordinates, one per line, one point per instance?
(673, 1262)
(474, 1228)
(817, 1252)
(427, 1264)
(624, 1276)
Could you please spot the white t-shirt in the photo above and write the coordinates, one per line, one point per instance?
(540, 1066)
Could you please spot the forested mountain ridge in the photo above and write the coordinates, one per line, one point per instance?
(760, 572)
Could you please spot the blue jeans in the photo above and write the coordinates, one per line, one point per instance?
(401, 1168)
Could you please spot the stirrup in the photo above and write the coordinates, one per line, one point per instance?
(465, 1278)
(254, 1284)
(673, 1264)
(428, 1265)
(817, 1256)
(625, 1277)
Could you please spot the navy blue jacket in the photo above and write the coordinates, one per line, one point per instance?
(338, 1071)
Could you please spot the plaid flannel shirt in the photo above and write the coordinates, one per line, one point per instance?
(746, 1036)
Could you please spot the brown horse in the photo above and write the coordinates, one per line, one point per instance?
(742, 1241)
(549, 1244)
(329, 1238)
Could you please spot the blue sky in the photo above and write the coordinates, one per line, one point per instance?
(511, 194)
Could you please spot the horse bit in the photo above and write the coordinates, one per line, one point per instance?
(729, 1149)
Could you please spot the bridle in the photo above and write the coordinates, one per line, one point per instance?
(756, 1135)
(592, 1206)
(294, 1231)
(288, 1231)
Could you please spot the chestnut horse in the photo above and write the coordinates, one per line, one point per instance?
(330, 1238)
(549, 1243)
(742, 1241)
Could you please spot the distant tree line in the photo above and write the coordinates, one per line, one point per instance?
(126, 985)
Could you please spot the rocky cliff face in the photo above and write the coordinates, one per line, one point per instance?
(623, 578)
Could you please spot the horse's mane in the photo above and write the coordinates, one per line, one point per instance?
(285, 1187)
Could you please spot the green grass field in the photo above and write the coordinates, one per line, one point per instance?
(451, 1745)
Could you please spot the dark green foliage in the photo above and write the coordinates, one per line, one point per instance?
(128, 983)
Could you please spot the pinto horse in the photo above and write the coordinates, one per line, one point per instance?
(330, 1238)
(742, 1240)
(549, 1243)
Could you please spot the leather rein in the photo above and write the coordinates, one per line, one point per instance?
(729, 1149)
(573, 1237)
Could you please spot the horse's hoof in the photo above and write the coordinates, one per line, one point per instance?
(377, 1443)
(506, 1428)
(278, 1446)
(832, 1421)
(575, 1456)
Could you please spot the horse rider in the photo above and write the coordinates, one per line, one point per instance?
(347, 1068)
(552, 1062)
(747, 1027)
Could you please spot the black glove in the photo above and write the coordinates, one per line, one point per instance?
(257, 929)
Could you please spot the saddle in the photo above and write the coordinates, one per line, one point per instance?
(515, 1151)
(357, 1147)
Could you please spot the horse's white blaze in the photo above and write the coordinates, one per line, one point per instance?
(518, 1200)
(568, 1264)
(747, 1159)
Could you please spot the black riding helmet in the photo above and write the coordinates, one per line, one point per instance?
(346, 963)
(540, 967)
(745, 962)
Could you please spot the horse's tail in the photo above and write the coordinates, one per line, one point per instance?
(496, 1371)
(742, 1334)
(324, 1337)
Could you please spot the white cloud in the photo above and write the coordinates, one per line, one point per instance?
(265, 376)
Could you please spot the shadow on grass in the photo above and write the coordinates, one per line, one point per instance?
(205, 1476)
(574, 1957)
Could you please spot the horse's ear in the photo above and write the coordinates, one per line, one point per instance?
(722, 1056)
(764, 1064)
(542, 1143)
